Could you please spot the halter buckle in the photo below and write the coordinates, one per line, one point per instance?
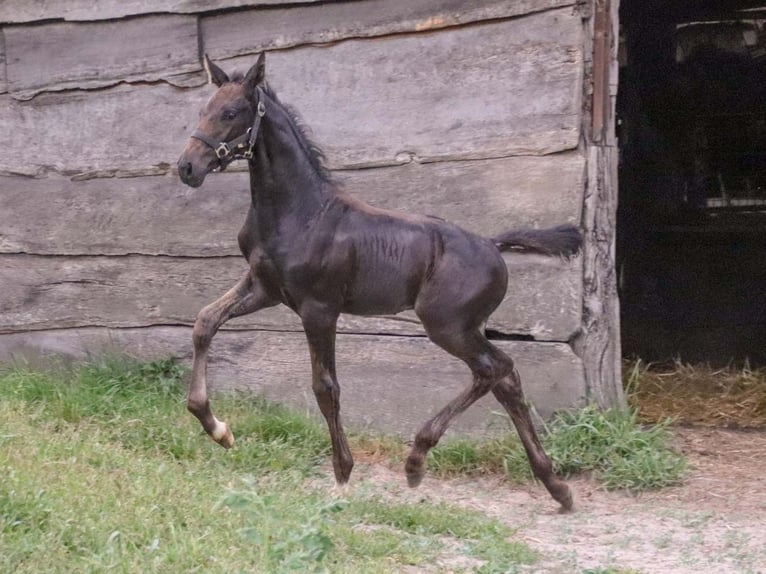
(222, 150)
(261, 108)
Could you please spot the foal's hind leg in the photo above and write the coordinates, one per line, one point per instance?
(487, 367)
(508, 392)
(492, 370)
(245, 297)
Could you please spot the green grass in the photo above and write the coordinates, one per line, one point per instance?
(612, 445)
(620, 451)
(103, 470)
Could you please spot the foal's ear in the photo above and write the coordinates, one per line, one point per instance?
(255, 75)
(215, 75)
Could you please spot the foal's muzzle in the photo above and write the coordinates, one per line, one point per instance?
(195, 163)
(186, 173)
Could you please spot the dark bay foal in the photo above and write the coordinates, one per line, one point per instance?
(321, 252)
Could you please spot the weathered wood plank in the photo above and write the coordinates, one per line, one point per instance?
(544, 298)
(246, 32)
(502, 88)
(18, 11)
(408, 378)
(42, 292)
(155, 215)
(160, 216)
(3, 78)
(483, 196)
(126, 129)
(62, 56)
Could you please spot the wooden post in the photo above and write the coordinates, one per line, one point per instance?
(599, 342)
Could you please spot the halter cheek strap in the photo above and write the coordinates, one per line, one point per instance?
(240, 147)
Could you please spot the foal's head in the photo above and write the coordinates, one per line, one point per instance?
(222, 133)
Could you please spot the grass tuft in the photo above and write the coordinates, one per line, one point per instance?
(612, 445)
(615, 447)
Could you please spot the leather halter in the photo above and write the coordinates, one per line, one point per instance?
(240, 147)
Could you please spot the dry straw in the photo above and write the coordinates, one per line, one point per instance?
(697, 394)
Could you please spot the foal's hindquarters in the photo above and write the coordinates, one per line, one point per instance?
(468, 283)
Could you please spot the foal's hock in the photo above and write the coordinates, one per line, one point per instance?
(322, 252)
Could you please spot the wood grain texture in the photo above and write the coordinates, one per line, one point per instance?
(496, 89)
(3, 78)
(19, 11)
(161, 216)
(60, 56)
(153, 215)
(43, 292)
(389, 384)
(127, 129)
(599, 340)
(247, 32)
(491, 90)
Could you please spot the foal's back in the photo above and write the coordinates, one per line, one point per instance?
(397, 259)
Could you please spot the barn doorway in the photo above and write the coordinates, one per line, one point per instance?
(691, 223)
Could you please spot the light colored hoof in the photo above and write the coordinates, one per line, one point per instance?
(341, 488)
(223, 435)
(567, 503)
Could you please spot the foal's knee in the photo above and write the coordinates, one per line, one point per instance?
(327, 393)
(204, 328)
(323, 384)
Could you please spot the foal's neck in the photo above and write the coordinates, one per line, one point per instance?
(285, 182)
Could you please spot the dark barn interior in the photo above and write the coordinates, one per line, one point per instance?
(691, 230)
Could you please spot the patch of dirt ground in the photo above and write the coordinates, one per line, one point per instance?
(714, 523)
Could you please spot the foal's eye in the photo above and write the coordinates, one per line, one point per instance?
(229, 114)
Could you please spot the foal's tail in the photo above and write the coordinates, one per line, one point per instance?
(563, 240)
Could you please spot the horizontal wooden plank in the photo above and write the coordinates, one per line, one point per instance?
(57, 292)
(159, 215)
(504, 88)
(246, 32)
(117, 216)
(61, 56)
(107, 131)
(483, 196)
(407, 378)
(490, 90)
(17, 11)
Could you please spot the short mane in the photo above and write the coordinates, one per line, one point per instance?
(300, 129)
(313, 151)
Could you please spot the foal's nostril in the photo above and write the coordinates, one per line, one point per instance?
(185, 169)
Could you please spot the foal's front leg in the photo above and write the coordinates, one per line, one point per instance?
(319, 325)
(245, 297)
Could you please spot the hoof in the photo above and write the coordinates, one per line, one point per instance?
(223, 435)
(341, 488)
(414, 479)
(414, 468)
(565, 499)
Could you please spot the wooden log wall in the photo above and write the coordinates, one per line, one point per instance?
(469, 111)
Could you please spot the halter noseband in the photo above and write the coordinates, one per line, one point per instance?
(240, 147)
